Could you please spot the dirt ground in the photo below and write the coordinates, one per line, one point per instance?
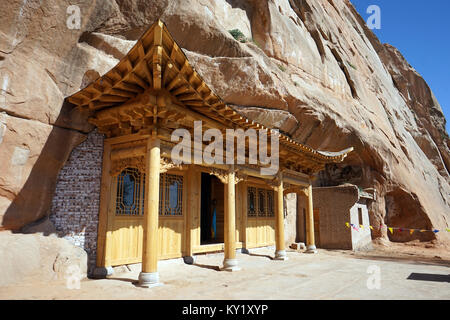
(405, 271)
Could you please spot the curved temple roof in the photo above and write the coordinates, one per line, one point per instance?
(156, 63)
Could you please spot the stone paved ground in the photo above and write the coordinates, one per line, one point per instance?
(326, 275)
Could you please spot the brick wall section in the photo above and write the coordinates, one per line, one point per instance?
(337, 206)
(76, 202)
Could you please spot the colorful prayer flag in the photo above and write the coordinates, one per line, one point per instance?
(361, 226)
(391, 230)
(347, 224)
(371, 228)
(411, 231)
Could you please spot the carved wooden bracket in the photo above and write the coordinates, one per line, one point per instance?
(274, 183)
(304, 192)
(295, 189)
(167, 165)
(222, 175)
(117, 166)
(239, 177)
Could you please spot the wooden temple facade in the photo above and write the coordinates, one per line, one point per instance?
(152, 208)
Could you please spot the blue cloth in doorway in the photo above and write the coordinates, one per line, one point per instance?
(213, 225)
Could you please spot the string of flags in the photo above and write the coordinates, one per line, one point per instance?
(391, 229)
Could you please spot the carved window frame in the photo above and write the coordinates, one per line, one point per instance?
(165, 182)
(138, 166)
(252, 212)
(264, 199)
(120, 209)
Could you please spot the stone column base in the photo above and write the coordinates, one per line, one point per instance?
(311, 249)
(189, 259)
(230, 265)
(102, 272)
(149, 280)
(280, 255)
(245, 251)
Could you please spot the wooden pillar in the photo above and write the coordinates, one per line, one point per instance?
(230, 262)
(280, 252)
(310, 242)
(149, 276)
(103, 268)
(192, 200)
(244, 214)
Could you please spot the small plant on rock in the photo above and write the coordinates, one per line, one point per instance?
(238, 35)
(351, 65)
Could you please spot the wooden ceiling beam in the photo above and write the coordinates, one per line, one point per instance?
(99, 104)
(141, 50)
(122, 93)
(175, 52)
(189, 96)
(147, 72)
(112, 98)
(193, 103)
(175, 82)
(157, 66)
(158, 33)
(129, 87)
(139, 80)
(181, 90)
(168, 69)
(109, 83)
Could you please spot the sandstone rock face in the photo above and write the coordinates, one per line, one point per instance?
(310, 68)
(47, 258)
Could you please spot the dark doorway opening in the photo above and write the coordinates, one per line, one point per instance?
(212, 210)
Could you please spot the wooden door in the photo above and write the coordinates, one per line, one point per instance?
(260, 231)
(125, 218)
(317, 226)
(124, 236)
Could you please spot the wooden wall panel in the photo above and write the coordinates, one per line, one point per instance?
(252, 231)
(193, 208)
(126, 241)
(260, 232)
(171, 240)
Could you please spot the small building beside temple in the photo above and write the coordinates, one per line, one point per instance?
(151, 206)
(341, 217)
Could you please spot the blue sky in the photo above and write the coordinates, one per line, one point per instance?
(421, 31)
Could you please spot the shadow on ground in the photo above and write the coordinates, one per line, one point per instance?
(412, 259)
(260, 255)
(429, 277)
(205, 266)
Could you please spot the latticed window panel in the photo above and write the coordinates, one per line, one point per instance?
(171, 195)
(130, 192)
(251, 202)
(270, 203)
(262, 202)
